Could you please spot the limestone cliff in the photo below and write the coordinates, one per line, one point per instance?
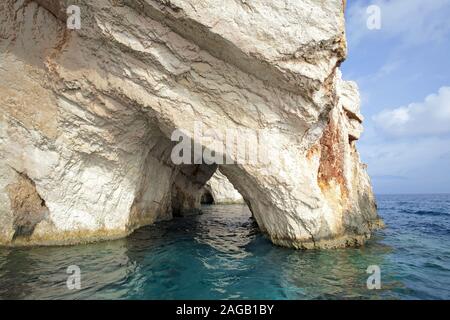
(86, 117)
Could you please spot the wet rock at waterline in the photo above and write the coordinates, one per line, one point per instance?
(87, 118)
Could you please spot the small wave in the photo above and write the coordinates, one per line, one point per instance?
(425, 212)
(436, 266)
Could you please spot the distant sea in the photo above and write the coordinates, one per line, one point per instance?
(221, 255)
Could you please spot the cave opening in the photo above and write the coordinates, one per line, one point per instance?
(219, 190)
(197, 186)
(207, 198)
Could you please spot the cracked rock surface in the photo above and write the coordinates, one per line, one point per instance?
(86, 117)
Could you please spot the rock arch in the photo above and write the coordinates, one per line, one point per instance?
(222, 190)
(87, 116)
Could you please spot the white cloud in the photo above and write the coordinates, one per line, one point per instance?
(403, 158)
(420, 166)
(413, 21)
(430, 117)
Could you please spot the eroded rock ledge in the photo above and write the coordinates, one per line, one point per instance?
(86, 117)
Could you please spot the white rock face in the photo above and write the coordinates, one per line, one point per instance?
(221, 190)
(86, 117)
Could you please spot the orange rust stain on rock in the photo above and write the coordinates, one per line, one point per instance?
(312, 151)
(332, 159)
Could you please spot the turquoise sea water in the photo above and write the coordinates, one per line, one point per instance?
(221, 255)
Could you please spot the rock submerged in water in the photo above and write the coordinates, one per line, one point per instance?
(87, 115)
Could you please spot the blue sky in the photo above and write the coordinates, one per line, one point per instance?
(403, 72)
